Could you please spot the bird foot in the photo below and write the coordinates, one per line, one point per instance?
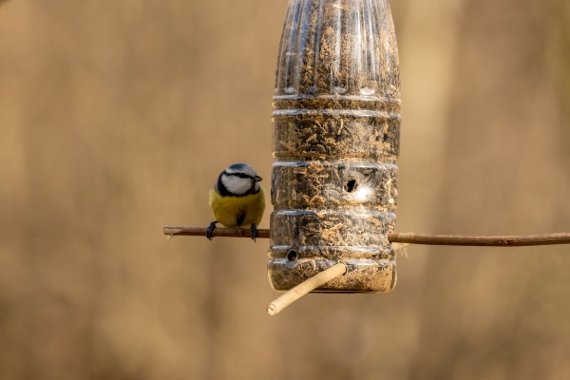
(253, 231)
(210, 230)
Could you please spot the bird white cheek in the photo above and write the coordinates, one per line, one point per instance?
(236, 185)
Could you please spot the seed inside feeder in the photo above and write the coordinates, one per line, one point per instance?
(336, 139)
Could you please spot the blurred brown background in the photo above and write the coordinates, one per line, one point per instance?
(115, 118)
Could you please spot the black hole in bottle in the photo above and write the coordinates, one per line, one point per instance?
(351, 185)
(292, 255)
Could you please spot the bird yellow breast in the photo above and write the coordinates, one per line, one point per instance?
(229, 210)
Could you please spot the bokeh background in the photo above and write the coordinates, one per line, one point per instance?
(115, 118)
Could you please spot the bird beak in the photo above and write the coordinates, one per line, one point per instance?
(258, 178)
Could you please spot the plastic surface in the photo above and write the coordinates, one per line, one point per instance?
(336, 138)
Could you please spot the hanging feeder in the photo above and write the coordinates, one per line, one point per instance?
(336, 139)
(336, 134)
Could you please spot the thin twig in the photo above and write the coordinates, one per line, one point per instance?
(488, 241)
(306, 287)
(410, 238)
(218, 232)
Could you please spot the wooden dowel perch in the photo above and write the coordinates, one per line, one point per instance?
(306, 287)
(408, 237)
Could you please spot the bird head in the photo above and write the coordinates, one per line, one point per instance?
(237, 180)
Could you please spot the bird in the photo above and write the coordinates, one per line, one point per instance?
(237, 199)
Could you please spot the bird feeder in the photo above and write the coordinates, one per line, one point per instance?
(336, 140)
(336, 123)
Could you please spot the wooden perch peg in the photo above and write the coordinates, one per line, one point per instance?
(306, 287)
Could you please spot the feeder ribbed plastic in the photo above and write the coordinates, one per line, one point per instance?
(336, 138)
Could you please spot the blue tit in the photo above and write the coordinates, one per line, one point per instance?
(237, 199)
